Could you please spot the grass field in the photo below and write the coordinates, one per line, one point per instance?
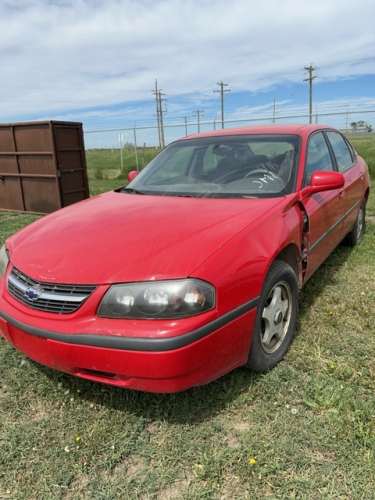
(365, 146)
(305, 430)
(105, 164)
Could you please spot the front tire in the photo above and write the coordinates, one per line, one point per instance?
(276, 318)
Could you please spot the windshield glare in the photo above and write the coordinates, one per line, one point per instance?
(244, 166)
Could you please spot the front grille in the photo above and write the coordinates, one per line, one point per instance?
(48, 297)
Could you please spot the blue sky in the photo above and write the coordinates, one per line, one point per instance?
(97, 61)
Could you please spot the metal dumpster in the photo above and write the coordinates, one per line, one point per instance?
(42, 166)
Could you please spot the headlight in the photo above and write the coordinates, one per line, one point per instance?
(158, 299)
(4, 260)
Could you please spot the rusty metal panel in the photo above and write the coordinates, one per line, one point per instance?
(42, 166)
(6, 138)
(40, 195)
(36, 164)
(11, 194)
(67, 137)
(72, 163)
(11, 197)
(33, 137)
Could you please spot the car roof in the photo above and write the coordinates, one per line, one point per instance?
(303, 130)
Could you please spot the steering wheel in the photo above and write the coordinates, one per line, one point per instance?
(228, 175)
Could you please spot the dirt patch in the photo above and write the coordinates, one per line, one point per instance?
(174, 492)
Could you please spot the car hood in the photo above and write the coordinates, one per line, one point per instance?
(117, 237)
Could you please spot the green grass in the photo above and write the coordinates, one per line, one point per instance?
(106, 163)
(305, 430)
(365, 146)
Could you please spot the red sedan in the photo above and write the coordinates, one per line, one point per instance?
(191, 270)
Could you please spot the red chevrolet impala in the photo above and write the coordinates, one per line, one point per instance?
(191, 270)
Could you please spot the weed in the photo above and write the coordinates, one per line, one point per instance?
(98, 175)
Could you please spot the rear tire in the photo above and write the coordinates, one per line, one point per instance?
(276, 318)
(356, 234)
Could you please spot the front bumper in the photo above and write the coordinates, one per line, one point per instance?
(168, 364)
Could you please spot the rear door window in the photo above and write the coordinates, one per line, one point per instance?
(341, 151)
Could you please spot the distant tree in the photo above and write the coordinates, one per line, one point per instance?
(361, 126)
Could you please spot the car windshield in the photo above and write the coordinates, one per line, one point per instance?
(242, 166)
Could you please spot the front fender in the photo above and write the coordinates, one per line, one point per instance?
(238, 268)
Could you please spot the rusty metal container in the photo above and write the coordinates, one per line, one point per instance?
(42, 166)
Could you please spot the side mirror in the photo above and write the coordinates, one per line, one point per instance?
(323, 181)
(132, 174)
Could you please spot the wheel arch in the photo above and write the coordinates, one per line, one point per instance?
(291, 255)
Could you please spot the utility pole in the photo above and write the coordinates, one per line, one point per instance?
(185, 118)
(159, 114)
(156, 93)
(310, 79)
(222, 91)
(135, 145)
(121, 138)
(162, 142)
(198, 114)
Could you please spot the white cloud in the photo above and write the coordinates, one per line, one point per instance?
(67, 58)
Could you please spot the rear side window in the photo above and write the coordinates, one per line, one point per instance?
(341, 151)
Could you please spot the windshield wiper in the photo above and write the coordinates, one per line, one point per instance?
(132, 191)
